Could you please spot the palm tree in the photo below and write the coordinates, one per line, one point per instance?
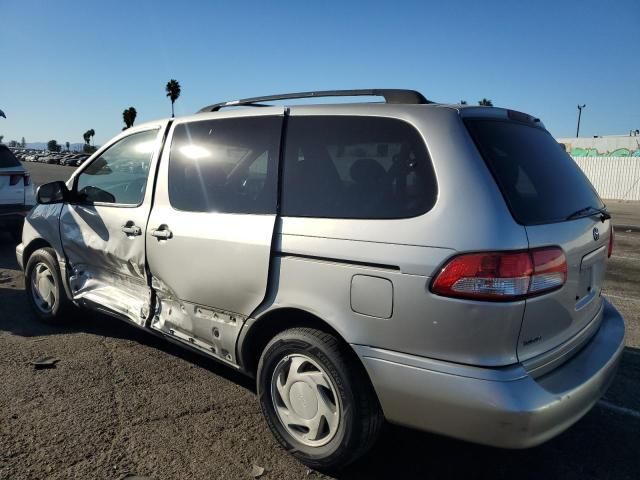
(129, 116)
(87, 137)
(173, 92)
(485, 103)
(91, 134)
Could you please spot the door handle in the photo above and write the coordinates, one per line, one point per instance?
(162, 232)
(132, 230)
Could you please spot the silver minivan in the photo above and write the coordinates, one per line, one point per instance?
(435, 266)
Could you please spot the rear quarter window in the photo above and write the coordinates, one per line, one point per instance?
(539, 181)
(355, 167)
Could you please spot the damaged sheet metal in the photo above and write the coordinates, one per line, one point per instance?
(107, 264)
(213, 330)
(112, 290)
(42, 222)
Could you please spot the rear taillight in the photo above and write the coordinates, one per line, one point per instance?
(15, 179)
(611, 240)
(502, 275)
(549, 270)
(27, 179)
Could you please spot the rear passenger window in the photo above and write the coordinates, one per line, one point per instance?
(355, 167)
(226, 165)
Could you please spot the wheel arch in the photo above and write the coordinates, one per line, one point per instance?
(31, 247)
(256, 333)
(38, 243)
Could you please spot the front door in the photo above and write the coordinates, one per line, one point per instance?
(102, 230)
(211, 226)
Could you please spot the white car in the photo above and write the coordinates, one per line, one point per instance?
(16, 193)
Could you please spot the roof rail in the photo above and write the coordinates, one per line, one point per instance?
(390, 96)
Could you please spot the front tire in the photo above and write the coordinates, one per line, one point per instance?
(317, 401)
(43, 285)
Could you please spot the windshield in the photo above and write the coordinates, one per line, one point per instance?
(540, 182)
(7, 159)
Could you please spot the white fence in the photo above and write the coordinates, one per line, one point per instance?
(615, 178)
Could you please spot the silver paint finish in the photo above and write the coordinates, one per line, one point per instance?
(107, 265)
(441, 364)
(514, 411)
(556, 317)
(42, 224)
(107, 261)
(213, 262)
(478, 333)
(372, 296)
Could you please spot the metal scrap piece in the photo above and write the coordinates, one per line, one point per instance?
(44, 362)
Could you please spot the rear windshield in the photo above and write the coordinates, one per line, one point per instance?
(540, 182)
(7, 159)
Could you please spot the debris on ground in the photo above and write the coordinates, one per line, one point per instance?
(257, 472)
(45, 362)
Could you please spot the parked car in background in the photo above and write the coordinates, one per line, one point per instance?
(50, 159)
(437, 266)
(16, 193)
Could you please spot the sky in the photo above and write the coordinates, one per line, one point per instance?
(68, 66)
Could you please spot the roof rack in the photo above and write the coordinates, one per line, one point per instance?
(390, 96)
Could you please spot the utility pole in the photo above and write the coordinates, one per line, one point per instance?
(580, 107)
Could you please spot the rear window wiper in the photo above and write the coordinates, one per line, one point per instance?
(590, 211)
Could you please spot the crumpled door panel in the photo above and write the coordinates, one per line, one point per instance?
(107, 266)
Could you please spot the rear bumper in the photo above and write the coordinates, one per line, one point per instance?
(504, 407)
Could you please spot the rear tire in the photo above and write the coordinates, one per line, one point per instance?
(44, 288)
(317, 401)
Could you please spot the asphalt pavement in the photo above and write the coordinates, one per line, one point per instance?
(123, 402)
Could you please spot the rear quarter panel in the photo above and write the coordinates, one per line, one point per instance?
(314, 266)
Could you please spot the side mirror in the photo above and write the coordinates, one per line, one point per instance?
(54, 192)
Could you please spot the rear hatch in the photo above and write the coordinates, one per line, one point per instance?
(549, 195)
(12, 179)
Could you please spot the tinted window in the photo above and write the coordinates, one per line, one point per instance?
(120, 174)
(539, 181)
(227, 165)
(7, 158)
(355, 167)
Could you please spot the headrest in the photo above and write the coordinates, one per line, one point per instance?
(367, 170)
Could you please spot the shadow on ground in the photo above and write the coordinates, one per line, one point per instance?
(19, 320)
(601, 445)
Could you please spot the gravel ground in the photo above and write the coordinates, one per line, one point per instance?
(123, 402)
